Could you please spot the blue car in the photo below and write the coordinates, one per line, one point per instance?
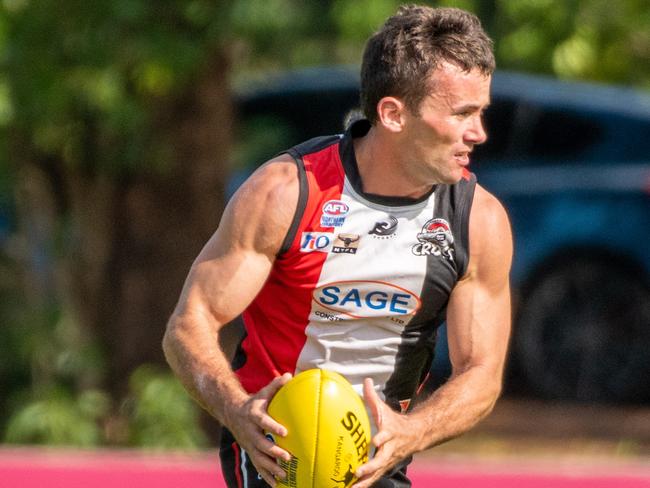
(571, 163)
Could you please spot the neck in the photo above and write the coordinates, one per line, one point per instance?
(382, 167)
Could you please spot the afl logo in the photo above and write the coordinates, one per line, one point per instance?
(335, 208)
(334, 212)
(362, 299)
(435, 239)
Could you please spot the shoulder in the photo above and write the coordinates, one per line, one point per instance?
(490, 235)
(273, 182)
(261, 211)
(488, 211)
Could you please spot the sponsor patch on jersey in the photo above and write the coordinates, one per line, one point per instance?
(346, 243)
(384, 228)
(362, 299)
(435, 239)
(316, 241)
(334, 212)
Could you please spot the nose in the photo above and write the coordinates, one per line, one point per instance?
(476, 132)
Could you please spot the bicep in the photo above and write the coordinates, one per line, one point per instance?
(220, 287)
(236, 261)
(479, 310)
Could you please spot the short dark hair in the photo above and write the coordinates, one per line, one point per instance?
(400, 57)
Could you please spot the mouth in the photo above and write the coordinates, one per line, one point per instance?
(462, 158)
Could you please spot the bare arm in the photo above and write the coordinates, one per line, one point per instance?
(224, 279)
(478, 326)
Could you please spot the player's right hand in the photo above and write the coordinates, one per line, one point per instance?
(248, 422)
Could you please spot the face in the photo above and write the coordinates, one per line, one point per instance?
(441, 137)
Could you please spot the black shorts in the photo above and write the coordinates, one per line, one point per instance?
(239, 472)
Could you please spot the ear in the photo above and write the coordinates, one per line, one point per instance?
(390, 113)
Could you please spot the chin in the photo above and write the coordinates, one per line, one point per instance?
(451, 179)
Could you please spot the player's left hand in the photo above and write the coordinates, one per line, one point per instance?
(394, 440)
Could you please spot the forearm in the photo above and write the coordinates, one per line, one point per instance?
(455, 407)
(195, 356)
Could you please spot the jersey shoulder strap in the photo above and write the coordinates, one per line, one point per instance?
(299, 152)
(454, 203)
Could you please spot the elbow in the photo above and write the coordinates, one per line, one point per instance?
(495, 393)
(488, 383)
(492, 391)
(170, 341)
(496, 385)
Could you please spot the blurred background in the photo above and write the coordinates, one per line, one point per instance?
(126, 124)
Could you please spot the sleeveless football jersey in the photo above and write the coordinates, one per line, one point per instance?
(362, 281)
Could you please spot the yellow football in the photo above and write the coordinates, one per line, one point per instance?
(328, 430)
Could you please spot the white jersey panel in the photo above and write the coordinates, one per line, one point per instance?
(369, 287)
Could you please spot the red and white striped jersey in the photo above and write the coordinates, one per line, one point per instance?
(362, 281)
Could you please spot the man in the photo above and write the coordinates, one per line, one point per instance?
(347, 252)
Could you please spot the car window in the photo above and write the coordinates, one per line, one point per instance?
(562, 135)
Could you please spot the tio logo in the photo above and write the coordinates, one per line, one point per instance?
(316, 241)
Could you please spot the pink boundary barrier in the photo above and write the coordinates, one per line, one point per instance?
(41, 468)
(32, 468)
(515, 474)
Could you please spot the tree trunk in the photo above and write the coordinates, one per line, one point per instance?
(135, 238)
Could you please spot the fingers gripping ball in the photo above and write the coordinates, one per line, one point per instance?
(328, 430)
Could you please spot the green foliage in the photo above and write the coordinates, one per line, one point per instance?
(262, 20)
(156, 414)
(160, 413)
(50, 369)
(51, 373)
(258, 138)
(60, 419)
(590, 40)
(357, 20)
(87, 75)
(470, 5)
